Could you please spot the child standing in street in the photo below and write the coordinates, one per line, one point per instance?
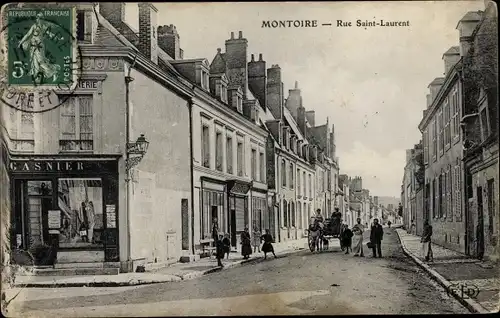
(268, 246)
(346, 239)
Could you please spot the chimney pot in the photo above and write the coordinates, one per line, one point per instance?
(218, 50)
(296, 84)
(232, 35)
(252, 58)
(240, 35)
(260, 56)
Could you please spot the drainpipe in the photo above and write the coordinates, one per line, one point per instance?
(128, 79)
(190, 107)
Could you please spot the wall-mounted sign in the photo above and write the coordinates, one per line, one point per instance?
(110, 216)
(88, 84)
(58, 166)
(54, 219)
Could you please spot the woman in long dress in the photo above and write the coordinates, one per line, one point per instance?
(358, 230)
(246, 244)
(267, 247)
(33, 42)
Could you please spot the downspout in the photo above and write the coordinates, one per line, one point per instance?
(128, 79)
(190, 107)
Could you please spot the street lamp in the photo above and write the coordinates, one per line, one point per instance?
(138, 149)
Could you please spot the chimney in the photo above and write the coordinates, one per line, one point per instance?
(450, 58)
(275, 91)
(434, 87)
(310, 117)
(429, 100)
(236, 62)
(466, 27)
(301, 120)
(114, 12)
(294, 100)
(147, 30)
(257, 79)
(332, 145)
(169, 41)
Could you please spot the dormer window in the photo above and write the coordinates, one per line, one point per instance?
(202, 74)
(84, 26)
(223, 92)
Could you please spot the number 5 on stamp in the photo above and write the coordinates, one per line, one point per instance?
(41, 48)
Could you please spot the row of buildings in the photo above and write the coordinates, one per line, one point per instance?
(151, 148)
(451, 175)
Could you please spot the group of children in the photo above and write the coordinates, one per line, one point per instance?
(223, 246)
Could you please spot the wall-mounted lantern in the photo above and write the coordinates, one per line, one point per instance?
(136, 151)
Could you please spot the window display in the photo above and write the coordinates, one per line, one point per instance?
(80, 201)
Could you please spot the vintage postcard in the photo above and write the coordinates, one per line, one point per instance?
(247, 158)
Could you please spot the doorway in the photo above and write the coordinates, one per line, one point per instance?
(233, 227)
(480, 224)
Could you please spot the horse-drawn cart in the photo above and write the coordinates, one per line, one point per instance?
(318, 232)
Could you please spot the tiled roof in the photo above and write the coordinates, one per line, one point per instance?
(471, 16)
(437, 81)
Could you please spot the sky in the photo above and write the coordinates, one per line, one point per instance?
(371, 83)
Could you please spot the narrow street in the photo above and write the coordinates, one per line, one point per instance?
(328, 283)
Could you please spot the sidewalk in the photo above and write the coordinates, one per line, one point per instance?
(173, 273)
(451, 268)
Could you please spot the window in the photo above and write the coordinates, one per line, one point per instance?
(283, 173)
(254, 164)
(262, 167)
(434, 140)
(426, 146)
(441, 133)
(441, 195)
(446, 119)
(81, 203)
(205, 147)
(304, 183)
(84, 26)
(310, 186)
(299, 188)
(291, 175)
(449, 214)
(455, 111)
(229, 155)
(21, 129)
(218, 151)
(485, 126)
(76, 124)
(458, 194)
(435, 199)
(223, 95)
(239, 158)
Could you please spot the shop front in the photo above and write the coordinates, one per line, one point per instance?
(65, 209)
(238, 209)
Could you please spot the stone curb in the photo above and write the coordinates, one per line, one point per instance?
(135, 282)
(472, 305)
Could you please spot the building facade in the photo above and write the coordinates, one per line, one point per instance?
(480, 129)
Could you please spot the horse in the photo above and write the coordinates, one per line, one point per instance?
(316, 234)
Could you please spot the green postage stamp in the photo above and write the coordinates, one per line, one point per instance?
(41, 48)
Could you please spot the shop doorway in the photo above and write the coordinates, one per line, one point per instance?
(233, 227)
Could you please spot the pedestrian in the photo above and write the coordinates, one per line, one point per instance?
(389, 224)
(358, 230)
(219, 251)
(412, 227)
(346, 238)
(376, 235)
(227, 244)
(267, 247)
(246, 244)
(426, 242)
(215, 230)
(256, 234)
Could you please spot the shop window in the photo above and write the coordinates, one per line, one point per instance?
(205, 146)
(212, 211)
(229, 155)
(76, 124)
(81, 205)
